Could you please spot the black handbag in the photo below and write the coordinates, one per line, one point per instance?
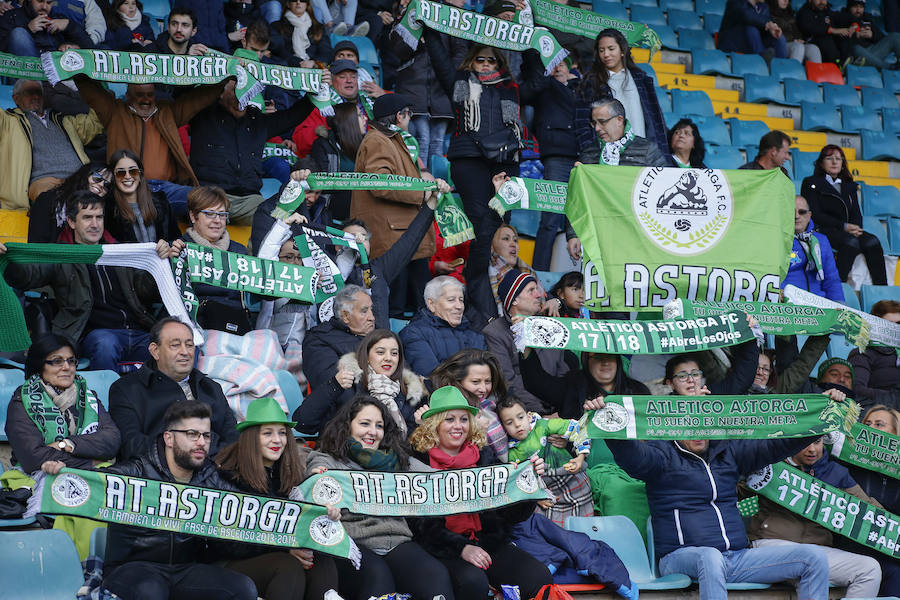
(212, 314)
(14, 502)
(499, 146)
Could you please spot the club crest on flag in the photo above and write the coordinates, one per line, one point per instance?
(612, 417)
(325, 531)
(683, 211)
(327, 491)
(527, 481)
(71, 61)
(70, 490)
(546, 45)
(758, 479)
(549, 331)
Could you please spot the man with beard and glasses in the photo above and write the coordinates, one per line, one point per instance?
(146, 564)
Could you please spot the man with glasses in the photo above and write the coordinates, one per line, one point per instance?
(39, 148)
(812, 266)
(138, 401)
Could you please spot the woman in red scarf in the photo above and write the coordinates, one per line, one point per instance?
(474, 547)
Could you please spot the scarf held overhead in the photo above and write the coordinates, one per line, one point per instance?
(754, 417)
(21, 67)
(191, 510)
(530, 194)
(868, 448)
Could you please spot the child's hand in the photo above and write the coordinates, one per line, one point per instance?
(575, 465)
(546, 504)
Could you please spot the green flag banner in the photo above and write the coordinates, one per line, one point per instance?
(478, 28)
(186, 509)
(316, 246)
(656, 234)
(754, 417)
(21, 67)
(586, 23)
(828, 506)
(881, 331)
(137, 67)
(452, 221)
(426, 494)
(272, 150)
(868, 448)
(530, 194)
(637, 337)
(780, 319)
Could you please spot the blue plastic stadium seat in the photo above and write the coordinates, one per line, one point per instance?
(890, 120)
(707, 6)
(894, 235)
(613, 10)
(684, 19)
(689, 39)
(881, 201)
(839, 347)
(6, 100)
(744, 133)
(10, 380)
(724, 157)
(439, 166)
(668, 5)
(98, 543)
(804, 163)
(648, 69)
(670, 119)
(44, 561)
(840, 94)
(854, 118)
(762, 88)
(815, 119)
(648, 15)
(525, 221)
(713, 130)
(625, 539)
(270, 187)
(99, 382)
(787, 68)
(691, 102)
(666, 36)
(878, 145)
(710, 61)
(665, 101)
(850, 297)
(797, 91)
(549, 278)
(712, 22)
(863, 76)
(870, 294)
(874, 226)
(891, 79)
(630, 3)
(875, 98)
(367, 52)
(397, 325)
(748, 64)
(293, 395)
(157, 12)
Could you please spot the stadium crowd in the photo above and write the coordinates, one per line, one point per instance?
(453, 388)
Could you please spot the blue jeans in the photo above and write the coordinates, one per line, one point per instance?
(430, 135)
(713, 569)
(556, 168)
(107, 347)
(270, 10)
(876, 54)
(277, 168)
(347, 12)
(21, 43)
(176, 194)
(759, 42)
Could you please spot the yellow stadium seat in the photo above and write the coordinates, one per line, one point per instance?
(880, 180)
(687, 82)
(13, 226)
(740, 110)
(675, 68)
(238, 233)
(642, 55)
(816, 139)
(868, 168)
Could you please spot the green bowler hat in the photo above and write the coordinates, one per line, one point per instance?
(264, 411)
(447, 398)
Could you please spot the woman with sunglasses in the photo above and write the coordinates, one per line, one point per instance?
(62, 419)
(133, 212)
(47, 216)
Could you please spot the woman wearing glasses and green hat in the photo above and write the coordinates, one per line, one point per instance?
(474, 547)
(266, 461)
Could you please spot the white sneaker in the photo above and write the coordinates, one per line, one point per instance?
(360, 30)
(340, 29)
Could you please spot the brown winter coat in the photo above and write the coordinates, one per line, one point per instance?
(124, 128)
(388, 213)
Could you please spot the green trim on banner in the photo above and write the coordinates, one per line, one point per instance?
(21, 67)
(881, 331)
(530, 194)
(273, 150)
(752, 417)
(637, 337)
(780, 319)
(478, 28)
(832, 508)
(868, 448)
(191, 510)
(586, 23)
(660, 233)
(434, 493)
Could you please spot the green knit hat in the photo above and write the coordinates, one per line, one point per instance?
(447, 398)
(264, 411)
(826, 364)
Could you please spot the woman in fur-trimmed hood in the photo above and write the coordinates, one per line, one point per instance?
(376, 369)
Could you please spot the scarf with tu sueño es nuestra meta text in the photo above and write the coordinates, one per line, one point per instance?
(868, 448)
(190, 510)
(753, 417)
(832, 508)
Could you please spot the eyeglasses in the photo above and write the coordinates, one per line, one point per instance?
(596, 122)
(803, 212)
(59, 361)
(289, 257)
(192, 434)
(132, 172)
(682, 376)
(215, 214)
(764, 369)
(99, 177)
(406, 111)
(486, 59)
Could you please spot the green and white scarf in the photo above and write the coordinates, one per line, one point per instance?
(21, 67)
(868, 448)
(610, 152)
(881, 331)
(754, 417)
(411, 143)
(530, 194)
(47, 417)
(810, 244)
(478, 28)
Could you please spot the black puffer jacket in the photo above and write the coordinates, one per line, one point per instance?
(554, 108)
(44, 40)
(323, 346)
(832, 209)
(129, 544)
(416, 78)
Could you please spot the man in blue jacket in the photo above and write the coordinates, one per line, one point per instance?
(812, 265)
(698, 531)
(747, 27)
